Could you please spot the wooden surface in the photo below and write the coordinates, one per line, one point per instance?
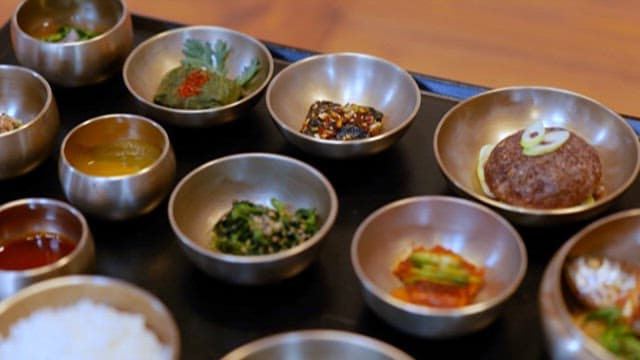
(588, 46)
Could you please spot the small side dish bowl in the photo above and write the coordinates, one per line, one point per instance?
(489, 117)
(204, 195)
(117, 166)
(26, 96)
(471, 230)
(27, 219)
(317, 344)
(343, 78)
(76, 62)
(119, 295)
(151, 60)
(615, 237)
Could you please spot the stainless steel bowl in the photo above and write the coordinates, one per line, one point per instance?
(469, 229)
(489, 117)
(153, 58)
(616, 237)
(26, 96)
(317, 344)
(37, 215)
(68, 290)
(203, 196)
(76, 63)
(124, 196)
(341, 78)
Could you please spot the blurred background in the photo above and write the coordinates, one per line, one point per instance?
(588, 46)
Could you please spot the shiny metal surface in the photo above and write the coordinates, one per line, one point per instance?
(467, 228)
(26, 216)
(117, 197)
(150, 61)
(78, 63)
(489, 117)
(26, 96)
(317, 344)
(68, 290)
(342, 78)
(204, 195)
(615, 236)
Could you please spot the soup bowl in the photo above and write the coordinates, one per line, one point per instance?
(116, 166)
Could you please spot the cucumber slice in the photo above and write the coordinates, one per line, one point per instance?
(483, 156)
(552, 141)
(532, 135)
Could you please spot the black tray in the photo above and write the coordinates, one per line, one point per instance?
(215, 317)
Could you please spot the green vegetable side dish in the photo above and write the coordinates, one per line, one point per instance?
(66, 34)
(252, 229)
(201, 81)
(619, 337)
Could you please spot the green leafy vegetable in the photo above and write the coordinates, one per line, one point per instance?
(618, 337)
(251, 229)
(68, 34)
(201, 81)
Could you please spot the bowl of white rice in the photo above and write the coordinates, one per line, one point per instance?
(86, 317)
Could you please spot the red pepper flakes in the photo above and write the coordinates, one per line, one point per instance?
(193, 82)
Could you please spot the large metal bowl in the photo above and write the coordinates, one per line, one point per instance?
(36, 215)
(467, 228)
(76, 63)
(616, 237)
(153, 58)
(203, 196)
(68, 290)
(317, 345)
(490, 116)
(342, 78)
(26, 96)
(123, 196)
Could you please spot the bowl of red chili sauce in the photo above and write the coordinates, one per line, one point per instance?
(437, 266)
(41, 238)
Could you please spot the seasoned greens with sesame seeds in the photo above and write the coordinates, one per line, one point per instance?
(253, 229)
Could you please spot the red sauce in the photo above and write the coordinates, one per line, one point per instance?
(34, 250)
(192, 84)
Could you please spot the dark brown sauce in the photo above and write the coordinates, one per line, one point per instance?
(34, 250)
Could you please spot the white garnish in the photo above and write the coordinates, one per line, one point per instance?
(483, 156)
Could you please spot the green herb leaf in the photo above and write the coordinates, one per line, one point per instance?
(220, 53)
(249, 72)
(197, 53)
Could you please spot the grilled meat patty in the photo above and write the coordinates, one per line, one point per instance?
(565, 177)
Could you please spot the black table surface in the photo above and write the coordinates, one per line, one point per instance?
(215, 317)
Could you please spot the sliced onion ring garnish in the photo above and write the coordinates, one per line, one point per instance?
(483, 156)
(552, 140)
(532, 135)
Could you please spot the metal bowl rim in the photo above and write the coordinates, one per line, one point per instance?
(160, 36)
(420, 310)
(557, 262)
(121, 20)
(167, 149)
(609, 196)
(256, 259)
(83, 242)
(343, 143)
(49, 101)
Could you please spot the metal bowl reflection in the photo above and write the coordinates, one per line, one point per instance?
(469, 229)
(203, 196)
(343, 78)
(317, 345)
(75, 63)
(615, 237)
(489, 117)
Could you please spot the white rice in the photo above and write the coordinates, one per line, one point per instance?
(84, 330)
